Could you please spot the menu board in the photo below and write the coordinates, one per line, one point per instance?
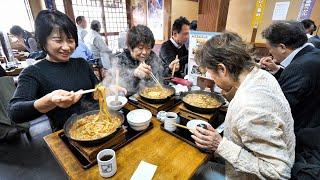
(196, 39)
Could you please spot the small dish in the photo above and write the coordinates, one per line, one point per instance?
(122, 99)
(192, 124)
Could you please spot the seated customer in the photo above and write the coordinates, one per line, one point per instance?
(175, 46)
(82, 51)
(310, 27)
(25, 38)
(81, 27)
(258, 140)
(97, 45)
(138, 61)
(49, 86)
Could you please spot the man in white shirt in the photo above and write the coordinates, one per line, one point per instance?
(81, 27)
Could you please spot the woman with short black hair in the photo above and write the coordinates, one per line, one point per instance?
(49, 86)
(259, 141)
(138, 61)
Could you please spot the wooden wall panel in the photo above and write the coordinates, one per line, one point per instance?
(212, 15)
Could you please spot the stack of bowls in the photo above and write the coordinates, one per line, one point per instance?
(139, 119)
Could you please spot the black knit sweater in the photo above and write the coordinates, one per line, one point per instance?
(168, 53)
(44, 77)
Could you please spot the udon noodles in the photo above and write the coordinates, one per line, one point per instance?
(201, 101)
(97, 125)
(156, 92)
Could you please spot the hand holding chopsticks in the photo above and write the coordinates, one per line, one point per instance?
(153, 77)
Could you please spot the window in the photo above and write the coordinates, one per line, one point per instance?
(20, 15)
(115, 15)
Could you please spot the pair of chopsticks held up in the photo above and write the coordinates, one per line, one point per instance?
(153, 76)
(174, 67)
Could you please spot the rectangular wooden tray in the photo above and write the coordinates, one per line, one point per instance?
(129, 136)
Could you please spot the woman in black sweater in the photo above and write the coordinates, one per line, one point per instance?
(49, 87)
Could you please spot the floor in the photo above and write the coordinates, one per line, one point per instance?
(21, 158)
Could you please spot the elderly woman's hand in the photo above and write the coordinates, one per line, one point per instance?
(207, 138)
(114, 89)
(142, 71)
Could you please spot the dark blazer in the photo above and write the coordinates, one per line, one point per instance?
(168, 53)
(300, 83)
(315, 40)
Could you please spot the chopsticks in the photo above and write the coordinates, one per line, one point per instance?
(173, 70)
(85, 91)
(174, 67)
(153, 77)
(181, 126)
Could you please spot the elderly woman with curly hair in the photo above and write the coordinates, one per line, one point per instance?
(259, 141)
(139, 61)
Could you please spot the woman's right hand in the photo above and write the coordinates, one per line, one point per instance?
(64, 99)
(57, 98)
(142, 71)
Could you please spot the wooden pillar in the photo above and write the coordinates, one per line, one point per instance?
(213, 15)
(129, 13)
(167, 18)
(68, 9)
(104, 24)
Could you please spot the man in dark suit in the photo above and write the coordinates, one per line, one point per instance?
(298, 73)
(173, 53)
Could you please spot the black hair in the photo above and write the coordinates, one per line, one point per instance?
(95, 25)
(194, 25)
(178, 23)
(228, 49)
(16, 30)
(140, 34)
(289, 33)
(47, 20)
(307, 23)
(79, 19)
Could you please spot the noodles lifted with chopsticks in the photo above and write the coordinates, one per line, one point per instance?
(98, 125)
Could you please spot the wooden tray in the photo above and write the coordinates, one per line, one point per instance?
(155, 108)
(90, 153)
(185, 135)
(130, 135)
(188, 114)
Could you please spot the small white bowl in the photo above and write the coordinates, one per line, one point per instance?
(139, 119)
(122, 99)
(192, 124)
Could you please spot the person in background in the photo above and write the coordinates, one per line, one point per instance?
(81, 27)
(296, 63)
(82, 51)
(194, 25)
(49, 86)
(175, 46)
(25, 38)
(138, 61)
(258, 141)
(310, 27)
(97, 45)
(2, 72)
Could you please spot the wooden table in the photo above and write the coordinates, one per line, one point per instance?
(175, 159)
(16, 71)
